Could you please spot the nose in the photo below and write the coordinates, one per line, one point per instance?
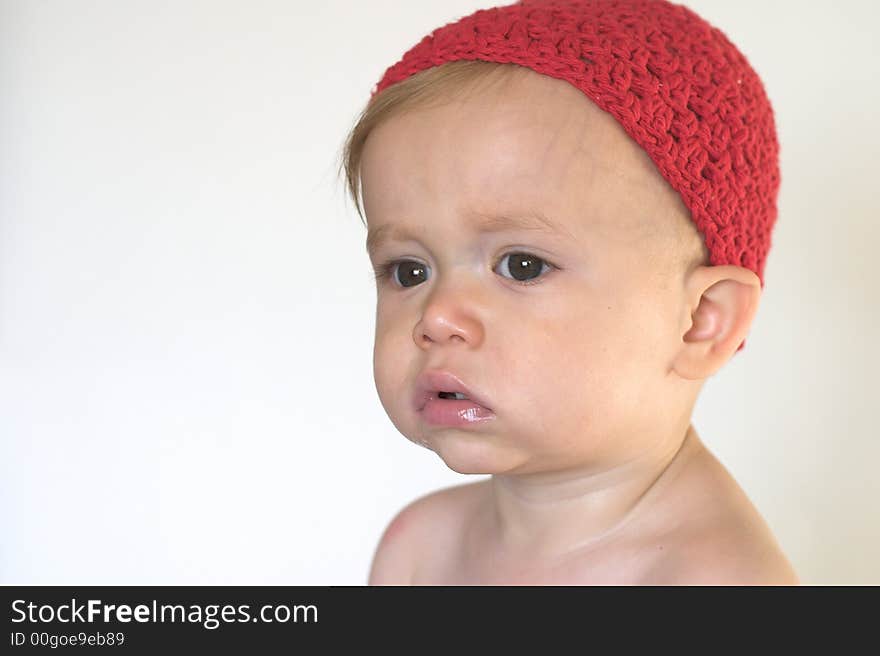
(450, 317)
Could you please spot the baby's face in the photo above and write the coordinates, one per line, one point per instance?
(570, 346)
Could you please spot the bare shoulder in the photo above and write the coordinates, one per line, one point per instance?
(734, 555)
(424, 525)
(724, 539)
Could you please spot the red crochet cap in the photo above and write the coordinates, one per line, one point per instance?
(675, 83)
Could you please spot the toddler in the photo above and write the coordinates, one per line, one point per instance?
(569, 206)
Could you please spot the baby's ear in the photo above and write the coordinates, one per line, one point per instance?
(720, 305)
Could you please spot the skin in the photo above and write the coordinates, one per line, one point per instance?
(596, 473)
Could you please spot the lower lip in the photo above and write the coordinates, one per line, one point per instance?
(452, 412)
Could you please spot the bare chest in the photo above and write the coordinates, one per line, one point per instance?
(619, 563)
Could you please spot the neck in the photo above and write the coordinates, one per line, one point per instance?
(551, 515)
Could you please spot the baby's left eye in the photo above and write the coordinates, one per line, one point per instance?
(524, 267)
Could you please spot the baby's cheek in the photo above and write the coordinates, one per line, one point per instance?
(390, 373)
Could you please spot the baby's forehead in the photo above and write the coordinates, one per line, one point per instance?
(535, 145)
(551, 141)
(551, 116)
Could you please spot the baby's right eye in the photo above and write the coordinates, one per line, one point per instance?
(404, 273)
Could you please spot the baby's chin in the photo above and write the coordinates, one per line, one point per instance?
(472, 453)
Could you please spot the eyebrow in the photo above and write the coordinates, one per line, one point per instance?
(485, 222)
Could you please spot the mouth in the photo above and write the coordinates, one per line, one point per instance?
(454, 410)
(440, 396)
(452, 395)
(444, 388)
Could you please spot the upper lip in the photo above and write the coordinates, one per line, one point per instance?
(432, 381)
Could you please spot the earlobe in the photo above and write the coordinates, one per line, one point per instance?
(721, 303)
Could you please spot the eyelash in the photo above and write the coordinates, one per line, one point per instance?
(384, 270)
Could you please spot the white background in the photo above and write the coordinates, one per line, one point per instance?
(187, 310)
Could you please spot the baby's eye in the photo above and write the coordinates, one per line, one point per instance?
(405, 273)
(524, 267)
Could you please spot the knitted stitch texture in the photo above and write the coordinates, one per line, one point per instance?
(676, 84)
